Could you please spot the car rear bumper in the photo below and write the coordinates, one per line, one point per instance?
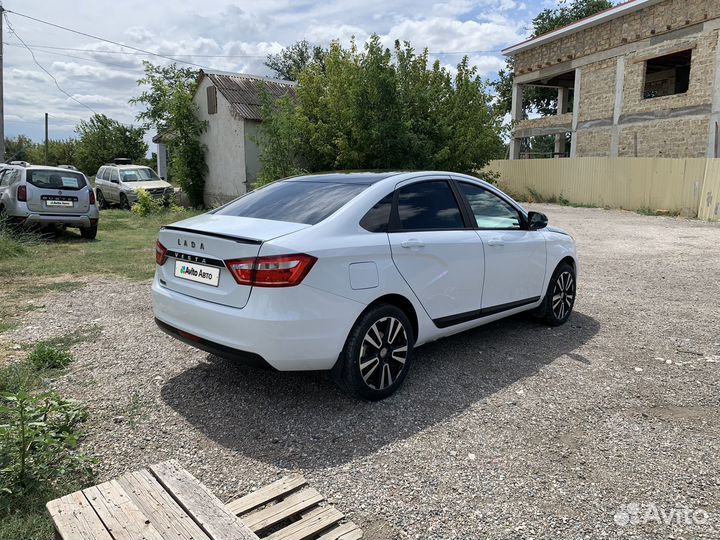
(291, 329)
(59, 219)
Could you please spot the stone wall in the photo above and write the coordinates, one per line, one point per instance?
(594, 142)
(681, 138)
(642, 24)
(597, 92)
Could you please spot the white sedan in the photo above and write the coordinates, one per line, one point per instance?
(350, 271)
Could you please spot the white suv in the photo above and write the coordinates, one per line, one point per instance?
(118, 183)
(38, 195)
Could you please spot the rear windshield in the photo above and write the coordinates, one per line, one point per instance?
(56, 179)
(298, 202)
(138, 175)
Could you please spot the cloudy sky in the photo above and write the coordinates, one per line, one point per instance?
(221, 34)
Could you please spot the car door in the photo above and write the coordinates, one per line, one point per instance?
(515, 257)
(114, 184)
(436, 251)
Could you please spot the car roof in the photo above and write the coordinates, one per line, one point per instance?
(46, 168)
(126, 166)
(345, 177)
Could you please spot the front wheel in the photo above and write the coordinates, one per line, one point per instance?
(560, 296)
(124, 203)
(377, 354)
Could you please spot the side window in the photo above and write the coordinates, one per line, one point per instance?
(114, 175)
(491, 212)
(378, 217)
(102, 174)
(428, 206)
(4, 178)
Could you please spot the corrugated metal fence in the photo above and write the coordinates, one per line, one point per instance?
(690, 187)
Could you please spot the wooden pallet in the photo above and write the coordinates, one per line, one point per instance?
(289, 509)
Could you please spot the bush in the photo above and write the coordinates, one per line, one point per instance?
(45, 356)
(38, 434)
(146, 205)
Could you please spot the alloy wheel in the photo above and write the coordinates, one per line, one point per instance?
(383, 353)
(563, 295)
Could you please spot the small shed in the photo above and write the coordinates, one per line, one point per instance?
(231, 104)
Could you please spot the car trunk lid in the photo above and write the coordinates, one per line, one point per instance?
(57, 192)
(198, 248)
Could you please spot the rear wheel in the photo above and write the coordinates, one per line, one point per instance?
(560, 296)
(377, 354)
(124, 203)
(89, 233)
(102, 203)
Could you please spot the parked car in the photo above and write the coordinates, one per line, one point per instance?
(39, 195)
(118, 183)
(351, 272)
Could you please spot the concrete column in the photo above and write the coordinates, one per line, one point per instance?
(162, 160)
(560, 142)
(516, 114)
(576, 111)
(713, 150)
(619, 97)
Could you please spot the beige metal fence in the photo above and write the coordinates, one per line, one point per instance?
(690, 187)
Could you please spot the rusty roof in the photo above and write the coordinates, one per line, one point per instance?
(245, 91)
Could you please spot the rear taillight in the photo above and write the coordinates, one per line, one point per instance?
(22, 193)
(92, 196)
(273, 271)
(160, 253)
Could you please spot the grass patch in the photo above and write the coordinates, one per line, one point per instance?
(124, 247)
(45, 356)
(18, 376)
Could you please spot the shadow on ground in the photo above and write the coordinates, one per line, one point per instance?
(300, 420)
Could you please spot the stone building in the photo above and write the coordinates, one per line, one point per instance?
(641, 79)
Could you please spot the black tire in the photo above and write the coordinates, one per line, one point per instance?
(89, 233)
(373, 354)
(101, 202)
(560, 296)
(124, 203)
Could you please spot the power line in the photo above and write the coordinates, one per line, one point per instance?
(101, 62)
(150, 53)
(13, 32)
(145, 54)
(175, 59)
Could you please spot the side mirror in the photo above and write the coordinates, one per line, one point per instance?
(537, 221)
(162, 178)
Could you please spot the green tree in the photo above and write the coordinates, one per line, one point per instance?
(380, 109)
(60, 152)
(293, 59)
(101, 139)
(168, 98)
(16, 148)
(544, 100)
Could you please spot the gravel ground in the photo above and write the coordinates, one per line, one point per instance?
(513, 430)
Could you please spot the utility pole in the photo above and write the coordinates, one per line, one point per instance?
(46, 139)
(2, 101)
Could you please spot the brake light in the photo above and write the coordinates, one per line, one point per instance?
(160, 253)
(92, 196)
(273, 271)
(22, 193)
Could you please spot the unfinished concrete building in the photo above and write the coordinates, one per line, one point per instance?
(641, 79)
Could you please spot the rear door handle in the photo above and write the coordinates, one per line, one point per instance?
(412, 243)
(496, 242)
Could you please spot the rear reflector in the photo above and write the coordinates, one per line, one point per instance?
(273, 271)
(189, 336)
(22, 193)
(160, 253)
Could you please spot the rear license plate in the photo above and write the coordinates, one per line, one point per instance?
(199, 273)
(60, 203)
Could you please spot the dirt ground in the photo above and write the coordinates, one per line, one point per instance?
(607, 427)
